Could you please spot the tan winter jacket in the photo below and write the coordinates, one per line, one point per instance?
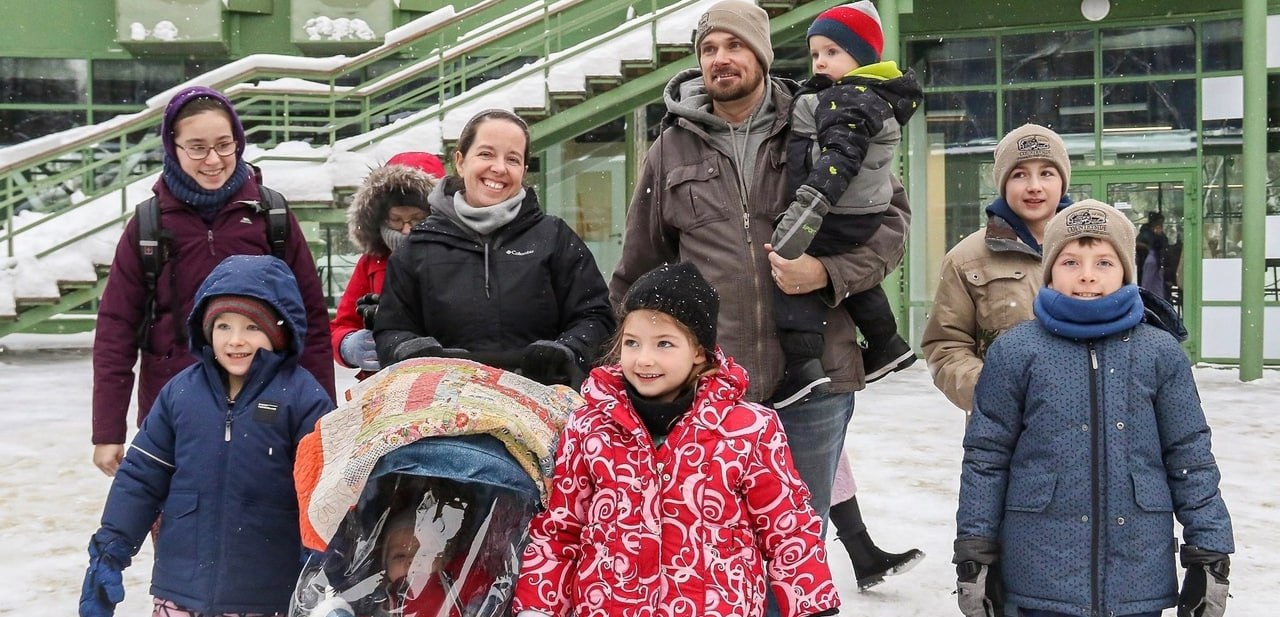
(688, 207)
(987, 284)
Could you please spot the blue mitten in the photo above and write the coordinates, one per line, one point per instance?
(359, 350)
(103, 585)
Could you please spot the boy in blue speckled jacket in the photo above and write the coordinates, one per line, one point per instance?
(1087, 438)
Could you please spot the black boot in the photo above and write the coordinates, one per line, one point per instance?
(870, 564)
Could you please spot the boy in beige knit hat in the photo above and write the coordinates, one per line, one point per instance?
(1087, 438)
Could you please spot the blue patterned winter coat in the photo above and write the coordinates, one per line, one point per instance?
(222, 474)
(1077, 457)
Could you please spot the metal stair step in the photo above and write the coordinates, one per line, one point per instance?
(597, 84)
(32, 302)
(68, 286)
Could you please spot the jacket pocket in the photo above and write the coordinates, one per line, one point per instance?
(734, 575)
(177, 544)
(1030, 492)
(1002, 293)
(265, 542)
(594, 587)
(699, 194)
(1151, 491)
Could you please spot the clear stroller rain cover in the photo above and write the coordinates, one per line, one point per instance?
(438, 526)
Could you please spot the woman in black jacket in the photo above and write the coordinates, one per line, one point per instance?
(488, 271)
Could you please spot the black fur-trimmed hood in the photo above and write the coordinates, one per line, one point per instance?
(370, 204)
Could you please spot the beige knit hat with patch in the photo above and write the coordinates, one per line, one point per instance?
(1026, 143)
(1091, 218)
(742, 19)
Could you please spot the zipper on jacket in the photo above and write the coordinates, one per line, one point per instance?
(226, 436)
(486, 271)
(1095, 471)
(211, 252)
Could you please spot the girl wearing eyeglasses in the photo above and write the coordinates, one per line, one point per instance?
(210, 208)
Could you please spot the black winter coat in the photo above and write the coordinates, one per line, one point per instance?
(532, 279)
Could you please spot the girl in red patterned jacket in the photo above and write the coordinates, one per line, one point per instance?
(672, 495)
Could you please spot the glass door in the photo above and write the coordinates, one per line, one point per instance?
(1164, 205)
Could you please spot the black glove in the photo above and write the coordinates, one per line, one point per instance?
(549, 362)
(367, 309)
(103, 586)
(418, 347)
(1204, 588)
(979, 588)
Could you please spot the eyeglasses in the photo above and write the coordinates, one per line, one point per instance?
(398, 224)
(201, 152)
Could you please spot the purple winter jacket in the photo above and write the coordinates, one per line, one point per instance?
(196, 249)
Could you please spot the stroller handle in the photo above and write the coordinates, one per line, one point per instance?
(507, 360)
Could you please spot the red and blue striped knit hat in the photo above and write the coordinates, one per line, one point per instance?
(855, 27)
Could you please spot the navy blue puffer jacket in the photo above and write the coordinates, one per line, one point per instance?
(222, 474)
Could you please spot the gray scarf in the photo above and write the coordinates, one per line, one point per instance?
(486, 220)
(392, 238)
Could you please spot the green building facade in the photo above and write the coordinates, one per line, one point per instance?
(1149, 98)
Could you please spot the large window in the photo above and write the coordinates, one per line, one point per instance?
(43, 80)
(132, 82)
(1048, 56)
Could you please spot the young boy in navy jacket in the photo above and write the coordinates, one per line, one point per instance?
(215, 458)
(1087, 438)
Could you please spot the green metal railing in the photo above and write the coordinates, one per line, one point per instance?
(105, 159)
(100, 162)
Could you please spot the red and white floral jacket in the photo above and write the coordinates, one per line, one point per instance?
(694, 527)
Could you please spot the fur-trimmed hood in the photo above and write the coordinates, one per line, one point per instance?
(370, 204)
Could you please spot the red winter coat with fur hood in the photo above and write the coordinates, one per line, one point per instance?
(697, 526)
(365, 216)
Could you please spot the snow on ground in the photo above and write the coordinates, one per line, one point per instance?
(904, 441)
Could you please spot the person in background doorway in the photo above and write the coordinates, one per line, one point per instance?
(1152, 251)
(392, 199)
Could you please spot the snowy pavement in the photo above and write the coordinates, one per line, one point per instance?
(904, 441)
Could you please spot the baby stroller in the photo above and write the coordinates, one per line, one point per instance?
(416, 494)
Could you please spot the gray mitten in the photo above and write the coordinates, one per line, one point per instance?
(979, 588)
(1204, 588)
(799, 224)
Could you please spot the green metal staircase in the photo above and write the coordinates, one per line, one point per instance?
(87, 180)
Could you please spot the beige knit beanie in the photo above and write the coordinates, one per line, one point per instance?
(1030, 142)
(742, 19)
(1091, 218)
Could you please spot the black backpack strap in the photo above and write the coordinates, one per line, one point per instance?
(277, 211)
(152, 252)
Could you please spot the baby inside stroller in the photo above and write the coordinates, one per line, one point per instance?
(417, 493)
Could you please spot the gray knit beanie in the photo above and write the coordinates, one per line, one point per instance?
(1026, 143)
(1091, 218)
(742, 19)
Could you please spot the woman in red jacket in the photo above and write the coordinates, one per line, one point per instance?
(392, 200)
(672, 495)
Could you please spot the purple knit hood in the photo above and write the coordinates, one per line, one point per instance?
(180, 100)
